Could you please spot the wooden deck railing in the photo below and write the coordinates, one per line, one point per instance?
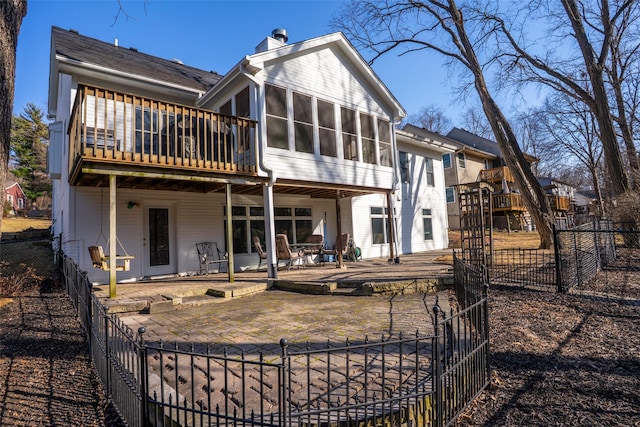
(559, 203)
(513, 202)
(508, 202)
(496, 174)
(118, 128)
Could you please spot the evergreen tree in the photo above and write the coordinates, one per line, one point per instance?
(28, 153)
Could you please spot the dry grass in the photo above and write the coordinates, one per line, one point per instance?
(503, 239)
(16, 224)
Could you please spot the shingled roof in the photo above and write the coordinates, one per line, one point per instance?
(76, 47)
(472, 140)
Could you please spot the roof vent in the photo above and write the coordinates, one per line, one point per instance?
(280, 34)
(133, 49)
(71, 30)
(177, 61)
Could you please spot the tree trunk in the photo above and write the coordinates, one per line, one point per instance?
(532, 195)
(613, 160)
(11, 14)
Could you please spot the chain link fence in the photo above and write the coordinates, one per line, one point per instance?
(34, 255)
(600, 259)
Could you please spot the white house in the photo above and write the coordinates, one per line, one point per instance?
(154, 156)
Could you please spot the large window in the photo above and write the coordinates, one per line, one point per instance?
(327, 128)
(403, 158)
(349, 136)
(277, 134)
(248, 222)
(379, 225)
(294, 222)
(446, 160)
(384, 138)
(427, 224)
(428, 167)
(303, 123)
(368, 134)
(450, 195)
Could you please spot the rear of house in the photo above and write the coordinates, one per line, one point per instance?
(150, 157)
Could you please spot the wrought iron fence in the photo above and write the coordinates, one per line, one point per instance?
(527, 268)
(418, 380)
(468, 281)
(462, 354)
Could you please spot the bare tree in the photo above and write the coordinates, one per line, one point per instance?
(572, 129)
(591, 28)
(382, 26)
(624, 61)
(474, 120)
(11, 14)
(431, 118)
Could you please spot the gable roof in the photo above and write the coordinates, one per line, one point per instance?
(253, 64)
(472, 140)
(70, 50)
(483, 144)
(459, 146)
(10, 184)
(434, 140)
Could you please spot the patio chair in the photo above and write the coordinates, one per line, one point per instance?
(258, 247)
(315, 248)
(340, 248)
(208, 254)
(284, 253)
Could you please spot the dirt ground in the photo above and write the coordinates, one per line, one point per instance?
(560, 360)
(46, 376)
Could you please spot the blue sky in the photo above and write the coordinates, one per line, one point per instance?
(208, 34)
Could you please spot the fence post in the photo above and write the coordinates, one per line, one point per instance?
(284, 411)
(556, 254)
(107, 356)
(437, 375)
(485, 307)
(142, 371)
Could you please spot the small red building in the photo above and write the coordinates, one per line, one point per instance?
(15, 197)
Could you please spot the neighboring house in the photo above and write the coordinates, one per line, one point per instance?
(509, 211)
(462, 164)
(15, 198)
(562, 196)
(296, 139)
(586, 206)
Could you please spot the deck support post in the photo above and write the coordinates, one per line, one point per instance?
(269, 231)
(339, 225)
(230, 266)
(112, 236)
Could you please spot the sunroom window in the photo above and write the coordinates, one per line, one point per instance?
(327, 128)
(384, 138)
(303, 123)
(349, 135)
(277, 134)
(368, 134)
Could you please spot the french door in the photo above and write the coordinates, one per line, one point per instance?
(158, 241)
